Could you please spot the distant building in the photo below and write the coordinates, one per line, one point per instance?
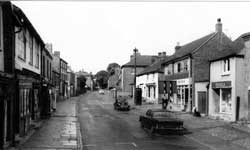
(63, 78)
(127, 73)
(150, 80)
(71, 82)
(46, 82)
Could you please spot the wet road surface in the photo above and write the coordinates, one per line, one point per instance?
(103, 128)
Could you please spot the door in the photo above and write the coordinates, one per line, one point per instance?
(248, 104)
(202, 102)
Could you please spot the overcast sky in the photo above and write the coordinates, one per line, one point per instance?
(90, 35)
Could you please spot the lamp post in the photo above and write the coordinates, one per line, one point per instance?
(135, 51)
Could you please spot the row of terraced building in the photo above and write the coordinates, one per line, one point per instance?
(210, 74)
(32, 77)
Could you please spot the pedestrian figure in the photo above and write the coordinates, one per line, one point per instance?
(165, 101)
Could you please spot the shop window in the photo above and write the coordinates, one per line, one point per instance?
(226, 66)
(225, 101)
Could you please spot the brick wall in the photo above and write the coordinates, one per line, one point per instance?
(128, 77)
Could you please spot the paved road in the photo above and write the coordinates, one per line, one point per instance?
(103, 128)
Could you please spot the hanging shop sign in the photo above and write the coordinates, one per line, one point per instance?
(223, 84)
(185, 81)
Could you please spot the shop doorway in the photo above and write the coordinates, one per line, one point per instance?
(202, 102)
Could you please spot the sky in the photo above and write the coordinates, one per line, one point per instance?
(90, 35)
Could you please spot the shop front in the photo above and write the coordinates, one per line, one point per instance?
(151, 92)
(7, 95)
(179, 92)
(221, 100)
(184, 93)
(28, 104)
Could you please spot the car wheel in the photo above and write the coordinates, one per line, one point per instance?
(151, 131)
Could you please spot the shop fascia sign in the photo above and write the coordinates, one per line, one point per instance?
(185, 81)
(223, 84)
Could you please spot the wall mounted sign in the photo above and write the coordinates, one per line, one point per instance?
(185, 81)
(223, 84)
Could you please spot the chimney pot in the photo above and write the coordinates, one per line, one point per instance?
(159, 54)
(163, 53)
(218, 26)
(177, 47)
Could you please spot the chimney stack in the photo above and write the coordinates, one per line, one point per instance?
(159, 54)
(57, 53)
(218, 26)
(163, 53)
(48, 46)
(177, 47)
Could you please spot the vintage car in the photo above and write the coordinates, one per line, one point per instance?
(101, 92)
(161, 121)
(121, 104)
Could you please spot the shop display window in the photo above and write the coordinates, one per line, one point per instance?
(226, 101)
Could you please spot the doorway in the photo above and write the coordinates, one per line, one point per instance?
(202, 102)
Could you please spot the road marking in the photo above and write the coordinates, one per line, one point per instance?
(200, 142)
(125, 143)
(134, 144)
(90, 145)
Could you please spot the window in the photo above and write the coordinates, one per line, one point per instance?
(170, 69)
(185, 65)
(43, 66)
(226, 66)
(31, 49)
(37, 48)
(179, 67)
(166, 70)
(225, 100)
(21, 47)
(47, 69)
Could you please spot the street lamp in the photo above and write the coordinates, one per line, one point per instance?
(135, 51)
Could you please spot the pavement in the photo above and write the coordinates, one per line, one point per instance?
(61, 131)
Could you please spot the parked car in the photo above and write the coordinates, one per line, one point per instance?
(121, 104)
(161, 121)
(101, 91)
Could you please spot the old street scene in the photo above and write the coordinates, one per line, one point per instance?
(106, 75)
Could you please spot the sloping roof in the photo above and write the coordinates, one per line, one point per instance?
(190, 47)
(25, 22)
(234, 49)
(153, 68)
(141, 61)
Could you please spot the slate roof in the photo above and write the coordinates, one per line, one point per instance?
(234, 49)
(190, 47)
(141, 61)
(21, 16)
(153, 68)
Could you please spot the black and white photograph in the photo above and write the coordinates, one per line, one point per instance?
(124, 75)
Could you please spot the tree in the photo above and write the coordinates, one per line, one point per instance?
(111, 68)
(102, 79)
